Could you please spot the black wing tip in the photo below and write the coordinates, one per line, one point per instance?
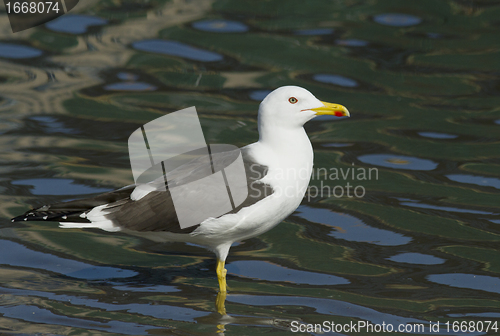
(24, 217)
(32, 216)
(44, 216)
(18, 218)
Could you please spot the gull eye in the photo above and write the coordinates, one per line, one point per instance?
(293, 100)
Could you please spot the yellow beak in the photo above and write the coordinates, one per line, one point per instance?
(332, 109)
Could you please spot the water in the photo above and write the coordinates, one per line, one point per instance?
(19, 51)
(74, 24)
(415, 241)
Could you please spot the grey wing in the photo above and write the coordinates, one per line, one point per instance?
(155, 211)
(157, 208)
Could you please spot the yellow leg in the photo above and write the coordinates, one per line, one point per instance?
(221, 296)
(220, 304)
(221, 276)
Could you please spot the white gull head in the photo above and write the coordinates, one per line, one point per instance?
(289, 107)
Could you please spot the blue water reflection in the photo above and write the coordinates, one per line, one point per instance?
(397, 19)
(221, 26)
(434, 35)
(257, 269)
(259, 95)
(416, 258)
(398, 161)
(352, 43)
(74, 23)
(127, 76)
(174, 48)
(337, 145)
(436, 135)
(336, 80)
(471, 281)
(147, 289)
(52, 125)
(323, 306)
(36, 314)
(351, 228)
(474, 179)
(495, 315)
(326, 117)
(146, 309)
(17, 51)
(17, 255)
(417, 204)
(130, 86)
(54, 186)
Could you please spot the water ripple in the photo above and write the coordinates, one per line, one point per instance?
(316, 31)
(221, 26)
(259, 95)
(417, 204)
(398, 161)
(263, 270)
(436, 135)
(14, 254)
(74, 23)
(351, 228)
(397, 19)
(36, 314)
(470, 281)
(477, 180)
(352, 43)
(130, 86)
(146, 309)
(416, 258)
(336, 80)
(328, 307)
(179, 49)
(17, 51)
(53, 186)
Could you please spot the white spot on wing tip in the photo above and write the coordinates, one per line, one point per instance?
(105, 225)
(45, 217)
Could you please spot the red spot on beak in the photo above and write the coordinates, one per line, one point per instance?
(339, 114)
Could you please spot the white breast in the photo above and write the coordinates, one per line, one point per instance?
(289, 171)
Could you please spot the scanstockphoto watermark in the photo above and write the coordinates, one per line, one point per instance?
(358, 327)
(430, 327)
(340, 182)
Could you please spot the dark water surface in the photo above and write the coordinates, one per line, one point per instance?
(413, 238)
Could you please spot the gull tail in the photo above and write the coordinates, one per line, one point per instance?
(84, 213)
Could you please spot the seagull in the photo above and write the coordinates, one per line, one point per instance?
(278, 168)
